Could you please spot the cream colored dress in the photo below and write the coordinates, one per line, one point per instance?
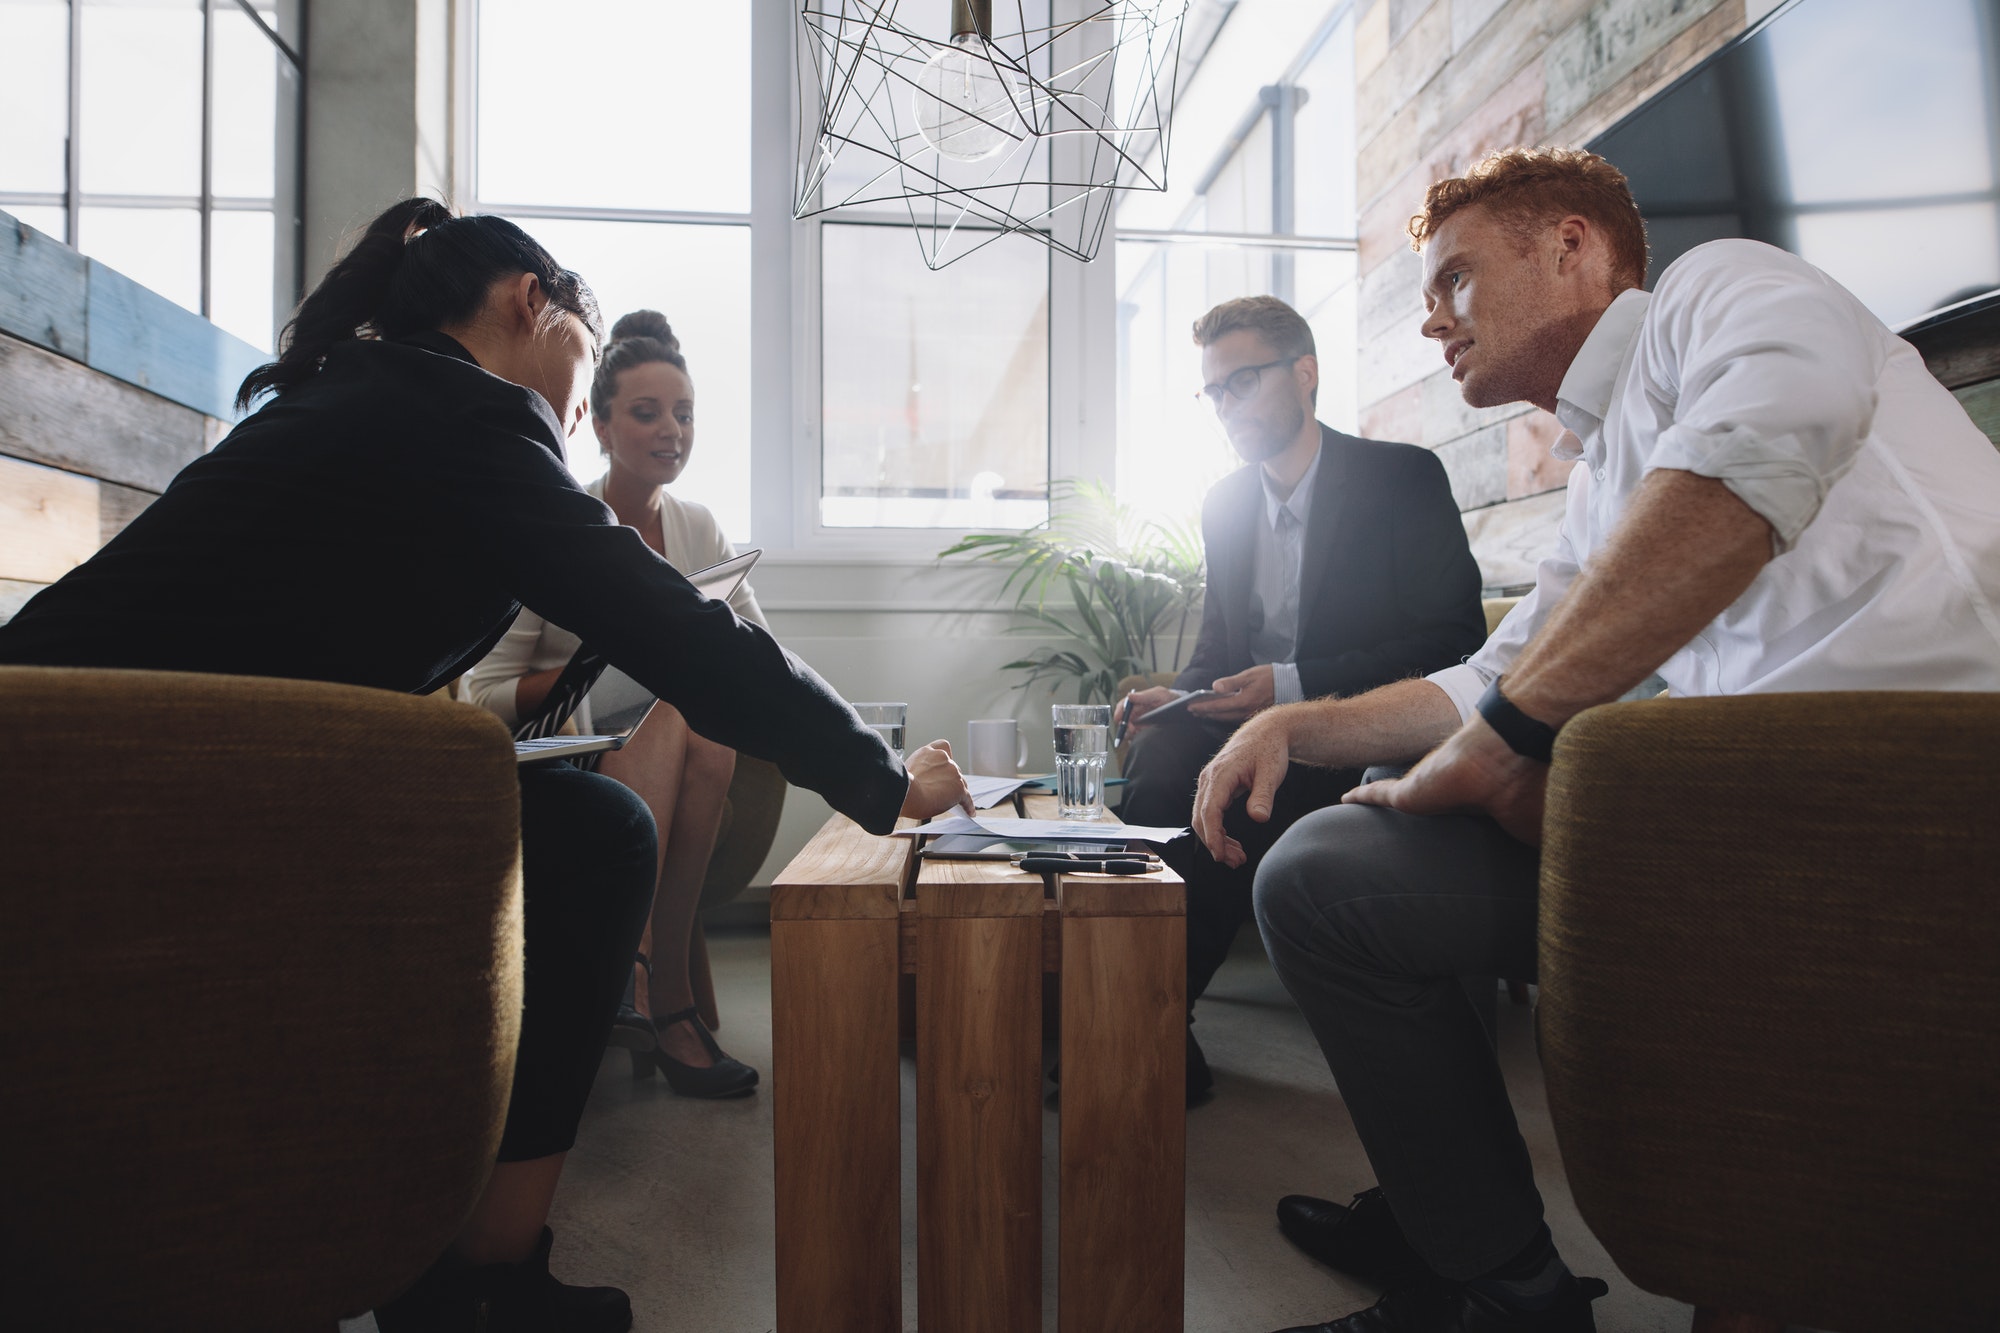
(691, 539)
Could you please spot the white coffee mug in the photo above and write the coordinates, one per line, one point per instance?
(995, 747)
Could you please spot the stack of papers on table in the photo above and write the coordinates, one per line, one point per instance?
(1048, 830)
(991, 791)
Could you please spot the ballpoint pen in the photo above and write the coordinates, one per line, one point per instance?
(1057, 863)
(1124, 719)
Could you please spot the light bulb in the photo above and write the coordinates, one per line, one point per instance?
(963, 99)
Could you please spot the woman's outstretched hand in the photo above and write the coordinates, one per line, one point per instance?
(936, 785)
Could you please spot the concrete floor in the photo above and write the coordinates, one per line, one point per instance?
(671, 1199)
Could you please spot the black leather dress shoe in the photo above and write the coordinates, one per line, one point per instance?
(524, 1297)
(1360, 1239)
(1438, 1307)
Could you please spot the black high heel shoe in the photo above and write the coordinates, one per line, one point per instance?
(631, 1029)
(727, 1077)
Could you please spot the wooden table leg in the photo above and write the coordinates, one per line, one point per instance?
(1124, 1108)
(836, 1102)
(979, 1136)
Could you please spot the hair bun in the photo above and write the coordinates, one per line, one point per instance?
(646, 324)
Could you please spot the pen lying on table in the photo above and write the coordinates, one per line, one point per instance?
(1073, 863)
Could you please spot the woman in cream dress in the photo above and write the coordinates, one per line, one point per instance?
(642, 406)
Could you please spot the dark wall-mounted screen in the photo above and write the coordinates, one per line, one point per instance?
(1861, 134)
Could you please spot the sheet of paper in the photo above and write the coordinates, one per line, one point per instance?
(991, 791)
(1069, 830)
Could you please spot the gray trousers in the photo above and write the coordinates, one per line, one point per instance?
(1371, 917)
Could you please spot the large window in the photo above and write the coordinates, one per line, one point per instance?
(162, 137)
(1271, 212)
(643, 187)
(935, 384)
(934, 393)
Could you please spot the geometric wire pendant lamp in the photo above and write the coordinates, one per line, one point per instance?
(981, 131)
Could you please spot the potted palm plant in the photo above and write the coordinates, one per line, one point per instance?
(1115, 591)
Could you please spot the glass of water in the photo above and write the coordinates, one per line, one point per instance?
(887, 719)
(1083, 739)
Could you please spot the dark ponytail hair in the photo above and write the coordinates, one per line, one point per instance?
(637, 339)
(417, 267)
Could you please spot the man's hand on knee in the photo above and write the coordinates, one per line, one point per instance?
(1474, 770)
(1254, 760)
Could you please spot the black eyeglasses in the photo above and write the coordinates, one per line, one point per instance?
(1240, 384)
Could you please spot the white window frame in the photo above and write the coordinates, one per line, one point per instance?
(785, 310)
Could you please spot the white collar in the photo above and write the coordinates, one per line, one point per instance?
(1300, 500)
(1584, 400)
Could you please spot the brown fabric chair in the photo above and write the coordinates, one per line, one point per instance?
(1770, 1014)
(260, 984)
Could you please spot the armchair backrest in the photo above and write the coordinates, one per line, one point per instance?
(1770, 1006)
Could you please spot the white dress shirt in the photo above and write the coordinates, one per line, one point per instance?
(692, 540)
(1749, 365)
(1277, 555)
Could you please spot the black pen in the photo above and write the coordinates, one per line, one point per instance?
(1124, 720)
(1110, 865)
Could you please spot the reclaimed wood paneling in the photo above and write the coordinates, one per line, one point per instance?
(141, 337)
(42, 286)
(117, 506)
(62, 413)
(48, 521)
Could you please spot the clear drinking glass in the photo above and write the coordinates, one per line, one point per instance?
(1083, 740)
(887, 719)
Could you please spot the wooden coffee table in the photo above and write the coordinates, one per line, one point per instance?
(849, 916)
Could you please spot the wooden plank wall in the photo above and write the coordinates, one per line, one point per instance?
(1440, 83)
(106, 391)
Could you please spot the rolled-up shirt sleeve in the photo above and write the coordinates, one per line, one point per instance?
(1777, 381)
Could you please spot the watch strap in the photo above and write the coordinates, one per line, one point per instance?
(1524, 735)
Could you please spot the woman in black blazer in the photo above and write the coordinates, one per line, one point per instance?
(380, 522)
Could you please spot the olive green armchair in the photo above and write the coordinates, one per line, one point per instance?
(260, 987)
(1770, 1002)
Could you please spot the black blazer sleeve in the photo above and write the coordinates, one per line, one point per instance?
(565, 556)
(1433, 579)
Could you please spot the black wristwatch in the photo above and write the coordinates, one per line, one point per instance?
(1524, 735)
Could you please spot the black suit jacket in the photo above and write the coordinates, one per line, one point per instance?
(1388, 587)
(383, 522)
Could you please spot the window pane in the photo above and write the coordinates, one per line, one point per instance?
(1240, 198)
(155, 247)
(935, 386)
(1324, 292)
(1323, 139)
(1171, 449)
(141, 131)
(699, 277)
(242, 276)
(34, 96)
(246, 105)
(48, 221)
(666, 120)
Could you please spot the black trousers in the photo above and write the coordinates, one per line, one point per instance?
(1163, 767)
(1373, 918)
(589, 862)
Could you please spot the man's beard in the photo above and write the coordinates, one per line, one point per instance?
(1262, 445)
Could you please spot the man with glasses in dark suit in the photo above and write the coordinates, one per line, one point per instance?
(1335, 565)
